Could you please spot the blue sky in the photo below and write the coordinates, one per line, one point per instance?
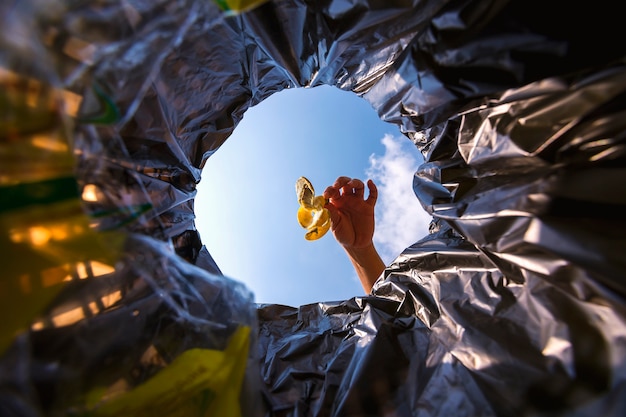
(246, 203)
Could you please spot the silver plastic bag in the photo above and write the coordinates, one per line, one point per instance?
(512, 305)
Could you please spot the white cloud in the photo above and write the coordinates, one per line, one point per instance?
(400, 219)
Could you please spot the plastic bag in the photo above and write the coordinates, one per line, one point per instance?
(513, 305)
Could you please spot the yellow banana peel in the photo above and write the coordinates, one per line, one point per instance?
(312, 215)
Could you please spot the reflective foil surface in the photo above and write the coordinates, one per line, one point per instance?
(512, 305)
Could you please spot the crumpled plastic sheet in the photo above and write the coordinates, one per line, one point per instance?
(512, 305)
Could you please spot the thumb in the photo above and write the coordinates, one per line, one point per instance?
(373, 193)
(333, 211)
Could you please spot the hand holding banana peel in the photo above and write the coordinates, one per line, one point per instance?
(344, 209)
(311, 214)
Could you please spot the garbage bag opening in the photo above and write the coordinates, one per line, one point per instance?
(247, 210)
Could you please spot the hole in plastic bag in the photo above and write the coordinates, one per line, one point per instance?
(246, 203)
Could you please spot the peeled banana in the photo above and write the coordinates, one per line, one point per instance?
(311, 214)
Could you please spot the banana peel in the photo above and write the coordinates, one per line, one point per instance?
(312, 215)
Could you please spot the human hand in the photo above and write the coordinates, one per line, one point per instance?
(351, 215)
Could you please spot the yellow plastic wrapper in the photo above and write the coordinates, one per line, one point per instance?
(45, 236)
(200, 382)
(232, 7)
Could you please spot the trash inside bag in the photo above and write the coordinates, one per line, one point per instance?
(100, 321)
(198, 382)
(513, 304)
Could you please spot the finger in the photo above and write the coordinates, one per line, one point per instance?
(358, 187)
(334, 215)
(341, 181)
(347, 190)
(331, 192)
(373, 195)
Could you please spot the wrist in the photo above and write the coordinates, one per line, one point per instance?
(360, 251)
(367, 263)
